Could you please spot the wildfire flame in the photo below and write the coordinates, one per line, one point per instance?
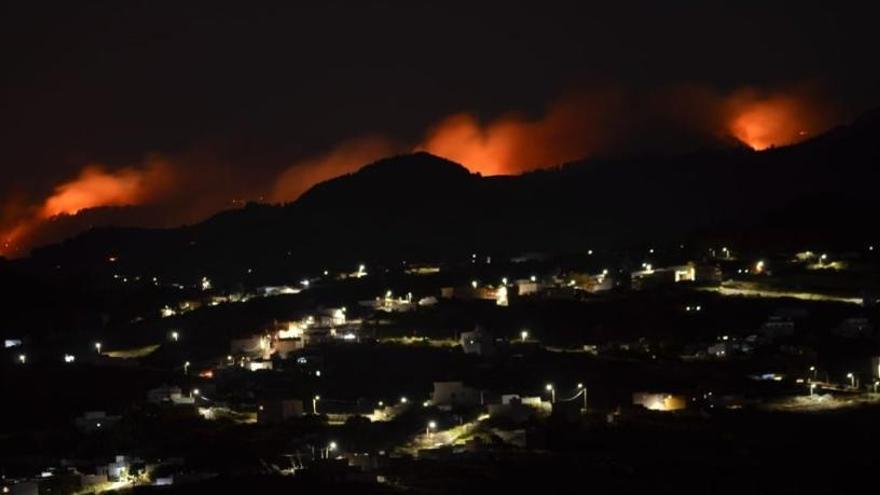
(93, 187)
(572, 128)
(765, 121)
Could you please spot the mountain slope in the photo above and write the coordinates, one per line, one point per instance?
(418, 206)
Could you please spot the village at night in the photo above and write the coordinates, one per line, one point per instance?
(423, 248)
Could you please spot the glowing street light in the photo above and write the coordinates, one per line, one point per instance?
(69, 358)
(524, 335)
(403, 400)
(330, 448)
(175, 336)
(315, 400)
(22, 358)
(186, 368)
(813, 372)
(432, 425)
(474, 284)
(549, 388)
(98, 347)
(533, 278)
(852, 379)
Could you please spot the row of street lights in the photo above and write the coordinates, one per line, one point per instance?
(852, 377)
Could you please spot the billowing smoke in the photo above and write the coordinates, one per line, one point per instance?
(614, 122)
(571, 128)
(764, 119)
(158, 191)
(95, 186)
(345, 158)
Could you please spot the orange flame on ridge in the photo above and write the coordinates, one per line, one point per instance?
(765, 121)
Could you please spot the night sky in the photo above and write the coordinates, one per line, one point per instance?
(190, 107)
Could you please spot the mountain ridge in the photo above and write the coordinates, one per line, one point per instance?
(420, 205)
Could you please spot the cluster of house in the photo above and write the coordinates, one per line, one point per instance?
(255, 352)
(120, 472)
(402, 304)
(212, 299)
(574, 284)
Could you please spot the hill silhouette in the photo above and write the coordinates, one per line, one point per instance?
(419, 206)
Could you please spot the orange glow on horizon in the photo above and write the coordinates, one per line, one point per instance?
(776, 120)
(94, 187)
(345, 158)
(568, 130)
(581, 125)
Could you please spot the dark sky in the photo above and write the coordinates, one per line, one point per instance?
(264, 85)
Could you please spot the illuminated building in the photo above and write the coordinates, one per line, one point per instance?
(659, 402)
(650, 276)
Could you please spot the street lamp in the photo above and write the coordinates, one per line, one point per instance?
(403, 400)
(22, 358)
(524, 335)
(583, 390)
(186, 368)
(330, 448)
(813, 372)
(549, 388)
(432, 425)
(812, 389)
(98, 347)
(315, 400)
(852, 379)
(175, 336)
